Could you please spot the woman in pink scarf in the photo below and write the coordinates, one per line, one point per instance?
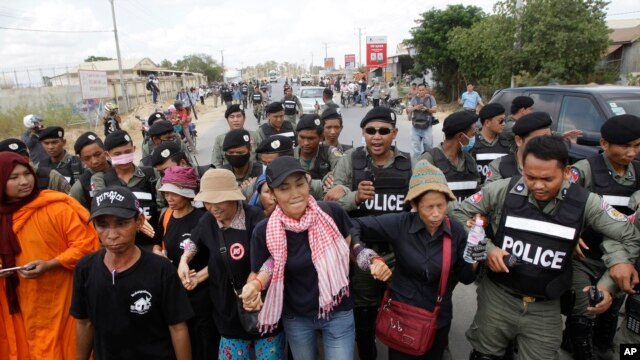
(309, 288)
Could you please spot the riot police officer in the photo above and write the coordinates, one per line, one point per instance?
(318, 159)
(162, 131)
(258, 99)
(90, 149)
(490, 144)
(538, 219)
(520, 106)
(371, 180)
(238, 155)
(275, 125)
(452, 155)
(53, 141)
(615, 176)
(292, 105)
(236, 120)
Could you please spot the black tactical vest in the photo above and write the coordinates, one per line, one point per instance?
(255, 171)
(615, 194)
(391, 183)
(484, 154)
(462, 183)
(145, 192)
(508, 166)
(71, 171)
(286, 130)
(321, 165)
(290, 106)
(544, 243)
(257, 98)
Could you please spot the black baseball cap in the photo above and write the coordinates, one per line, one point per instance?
(118, 201)
(14, 145)
(279, 169)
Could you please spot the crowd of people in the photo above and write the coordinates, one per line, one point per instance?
(289, 236)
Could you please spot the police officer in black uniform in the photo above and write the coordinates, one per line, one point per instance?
(538, 218)
(452, 155)
(237, 155)
(292, 105)
(276, 124)
(53, 141)
(372, 180)
(257, 98)
(170, 154)
(318, 159)
(490, 144)
(90, 149)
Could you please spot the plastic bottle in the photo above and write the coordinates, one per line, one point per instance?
(476, 234)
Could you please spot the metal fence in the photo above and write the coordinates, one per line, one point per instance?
(26, 77)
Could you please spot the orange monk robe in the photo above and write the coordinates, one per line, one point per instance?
(51, 226)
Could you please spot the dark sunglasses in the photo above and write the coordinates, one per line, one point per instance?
(381, 130)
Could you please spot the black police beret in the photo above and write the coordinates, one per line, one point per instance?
(85, 139)
(51, 132)
(13, 145)
(621, 129)
(274, 107)
(116, 138)
(236, 138)
(275, 144)
(330, 113)
(309, 122)
(520, 102)
(160, 127)
(232, 109)
(532, 122)
(164, 151)
(490, 110)
(458, 122)
(155, 117)
(379, 113)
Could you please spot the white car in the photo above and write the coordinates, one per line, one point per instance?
(310, 96)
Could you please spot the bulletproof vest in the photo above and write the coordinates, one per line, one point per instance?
(346, 147)
(462, 183)
(85, 181)
(42, 177)
(391, 183)
(255, 171)
(290, 106)
(145, 192)
(613, 193)
(508, 166)
(257, 97)
(321, 166)
(484, 154)
(244, 89)
(544, 243)
(71, 171)
(286, 130)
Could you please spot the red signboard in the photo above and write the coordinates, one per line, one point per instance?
(376, 51)
(350, 61)
(329, 63)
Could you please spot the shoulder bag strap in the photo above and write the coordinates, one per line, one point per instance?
(446, 266)
(225, 258)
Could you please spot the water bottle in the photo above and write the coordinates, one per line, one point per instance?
(476, 234)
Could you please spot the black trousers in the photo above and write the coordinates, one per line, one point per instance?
(435, 353)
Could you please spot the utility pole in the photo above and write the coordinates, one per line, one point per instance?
(311, 65)
(359, 46)
(122, 87)
(222, 63)
(516, 42)
(325, 49)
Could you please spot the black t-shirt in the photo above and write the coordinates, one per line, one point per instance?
(130, 311)
(301, 290)
(205, 235)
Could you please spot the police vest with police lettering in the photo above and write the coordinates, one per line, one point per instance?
(615, 194)
(462, 183)
(544, 243)
(484, 154)
(321, 165)
(71, 171)
(391, 183)
(508, 166)
(257, 98)
(290, 106)
(145, 192)
(286, 130)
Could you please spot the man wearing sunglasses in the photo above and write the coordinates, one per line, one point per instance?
(490, 144)
(452, 155)
(371, 180)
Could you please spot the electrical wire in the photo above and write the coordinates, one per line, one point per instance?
(54, 31)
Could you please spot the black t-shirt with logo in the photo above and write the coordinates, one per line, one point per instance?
(130, 311)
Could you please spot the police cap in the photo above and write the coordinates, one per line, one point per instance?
(379, 113)
(274, 107)
(155, 117)
(458, 122)
(532, 122)
(164, 151)
(309, 122)
(85, 139)
(490, 110)
(621, 129)
(116, 138)
(329, 114)
(275, 144)
(236, 138)
(233, 109)
(160, 127)
(51, 132)
(14, 145)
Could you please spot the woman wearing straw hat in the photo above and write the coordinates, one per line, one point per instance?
(175, 228)
(417, 239)
(225, 230)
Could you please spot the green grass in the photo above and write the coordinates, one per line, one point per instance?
(53, 114)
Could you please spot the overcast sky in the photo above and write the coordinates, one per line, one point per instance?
(249, 31)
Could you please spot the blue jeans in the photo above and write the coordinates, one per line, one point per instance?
(421, 141)
(338, 335)
(363, 98)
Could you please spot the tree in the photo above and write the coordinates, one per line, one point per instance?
(166, 64)
(430, 39)
(93, 58)
(200, 63)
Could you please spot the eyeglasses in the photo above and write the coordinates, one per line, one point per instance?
(381, 130)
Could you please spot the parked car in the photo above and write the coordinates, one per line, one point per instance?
(582, 107)
(310, 96)
(306, 80)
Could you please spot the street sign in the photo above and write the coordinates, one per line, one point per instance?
(93, 84)
(329, 63)
(376, 51)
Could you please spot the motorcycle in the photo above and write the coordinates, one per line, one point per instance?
(396, 105)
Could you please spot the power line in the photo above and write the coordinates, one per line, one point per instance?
(54, 31)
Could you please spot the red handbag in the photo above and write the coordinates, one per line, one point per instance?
(407, 328)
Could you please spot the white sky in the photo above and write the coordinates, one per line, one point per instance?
(249, 31)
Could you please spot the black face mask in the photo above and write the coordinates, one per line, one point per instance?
(237, 161)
